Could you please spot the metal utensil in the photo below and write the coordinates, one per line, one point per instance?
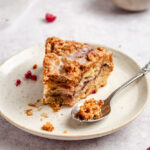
(106, 108)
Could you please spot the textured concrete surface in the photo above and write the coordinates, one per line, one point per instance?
(96, 21)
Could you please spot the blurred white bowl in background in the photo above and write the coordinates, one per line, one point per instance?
(132, 5)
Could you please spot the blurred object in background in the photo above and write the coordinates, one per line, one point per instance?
(132, 5)
(10, 10)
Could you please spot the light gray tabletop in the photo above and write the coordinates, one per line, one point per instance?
(97, 21)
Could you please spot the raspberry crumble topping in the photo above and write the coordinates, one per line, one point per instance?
(72, 71)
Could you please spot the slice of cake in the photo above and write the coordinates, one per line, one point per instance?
(73, 70)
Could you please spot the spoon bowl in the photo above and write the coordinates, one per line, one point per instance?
(105, 110)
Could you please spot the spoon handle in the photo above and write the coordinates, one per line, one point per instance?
(143, 71)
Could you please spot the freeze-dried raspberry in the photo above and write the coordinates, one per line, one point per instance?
(94, 91)
(18, 82)
(34, 77)
(28, 75)
(50, 17)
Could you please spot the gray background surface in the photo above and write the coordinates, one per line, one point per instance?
(96, 21)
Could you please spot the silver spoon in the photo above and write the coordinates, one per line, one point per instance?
(106, 108)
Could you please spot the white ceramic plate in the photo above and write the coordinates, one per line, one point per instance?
(126, 106)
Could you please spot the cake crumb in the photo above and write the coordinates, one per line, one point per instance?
(48, 127)
(29, 112)
(91, 109)
(62, 114)
(32, 105)
(35, 66)
(39, 109)
(38, 100)
(55, 107)
(45, 115)
(65, 131)
(41, 119)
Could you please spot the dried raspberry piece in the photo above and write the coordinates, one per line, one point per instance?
(65, 86)
(50, 17)
(18, 82)
(148, 148)
(34, 77)
(91, 50)
(28, 75)
(94, 91)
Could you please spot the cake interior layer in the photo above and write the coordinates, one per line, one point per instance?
(59, 93)
(99, 81)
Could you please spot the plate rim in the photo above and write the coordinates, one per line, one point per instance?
(84, 136)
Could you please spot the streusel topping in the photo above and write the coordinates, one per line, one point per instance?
(69, 59)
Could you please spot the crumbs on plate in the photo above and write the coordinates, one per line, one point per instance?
(37, 101)
(48, 127)
(29, 112)
(39, 109)
(45, 115)
(35, 104)
(65, 131)
(32, 105)
(35, 66)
